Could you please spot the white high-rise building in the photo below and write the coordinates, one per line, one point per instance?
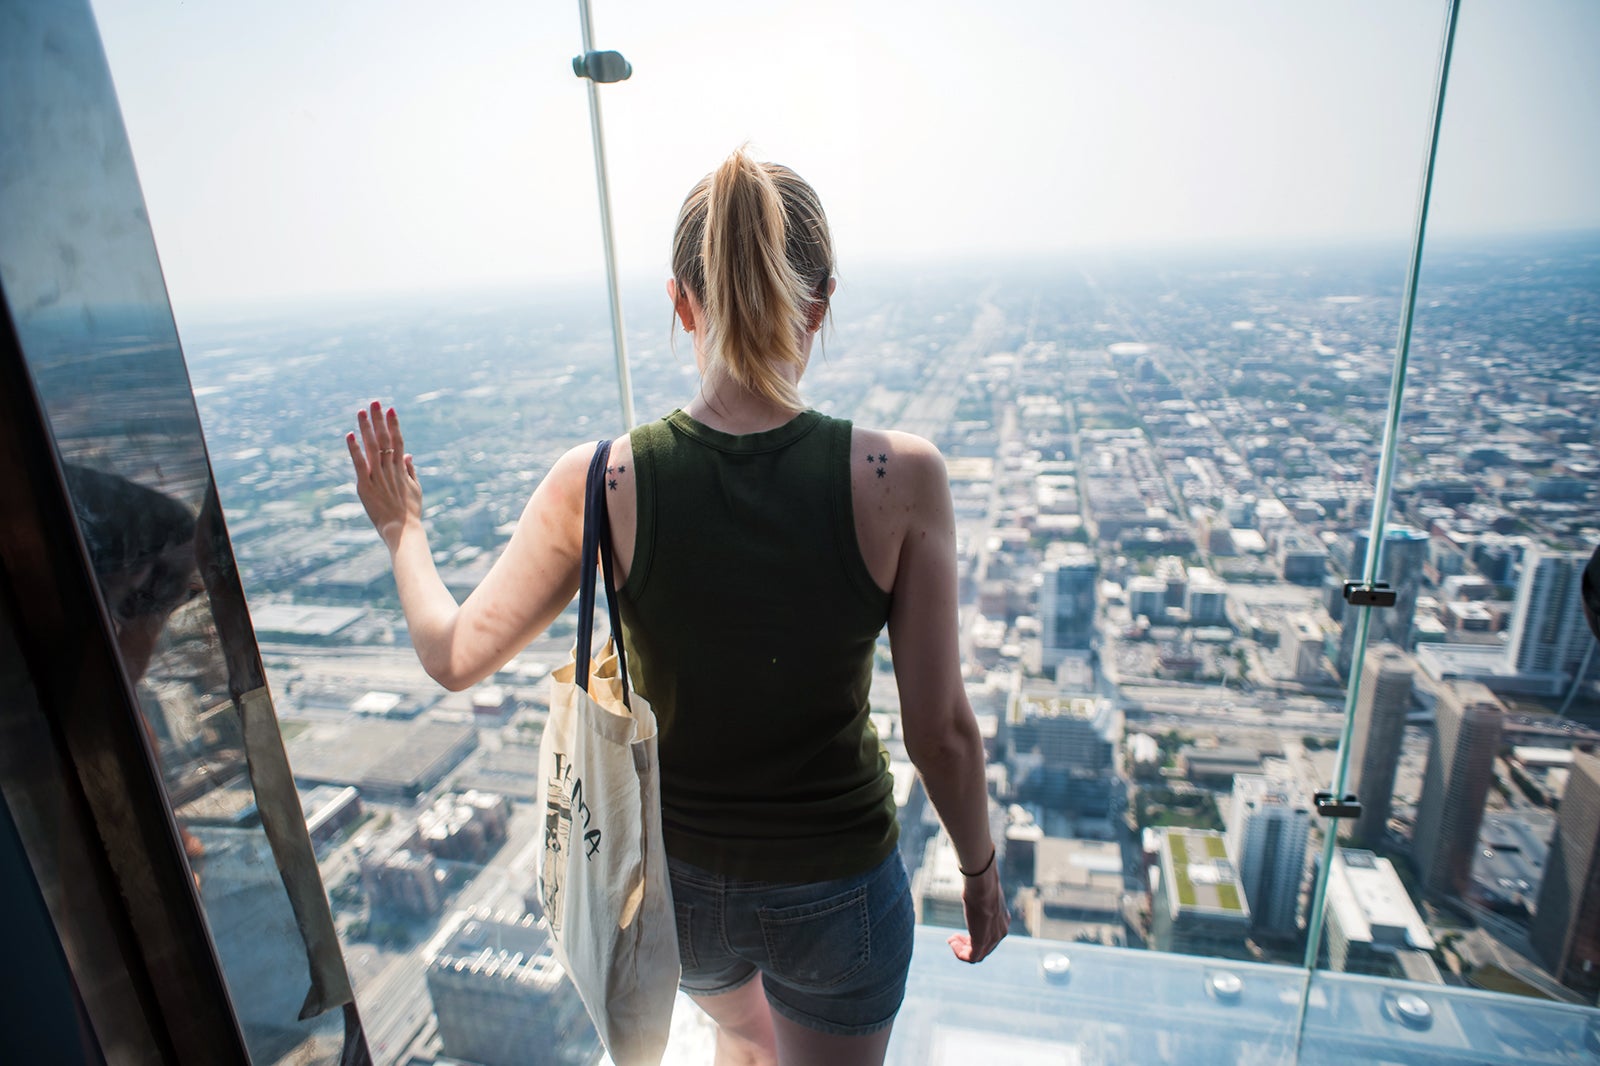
(1548, 633)
(1268, 826)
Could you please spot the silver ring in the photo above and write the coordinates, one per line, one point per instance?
(385, 451)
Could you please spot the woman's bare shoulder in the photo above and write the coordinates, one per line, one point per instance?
(900, 461)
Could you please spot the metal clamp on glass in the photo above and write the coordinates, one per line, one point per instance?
(1330, 806)
(1361, 594)
(603, 67)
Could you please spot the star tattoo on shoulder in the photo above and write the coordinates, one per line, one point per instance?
(880, 471)
(883, 458)
(611, 483)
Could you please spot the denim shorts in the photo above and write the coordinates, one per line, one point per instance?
(832, 955)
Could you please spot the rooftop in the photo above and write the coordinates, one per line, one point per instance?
(1371, 903)
(1197, 862)
(512, 948)
(300, 620)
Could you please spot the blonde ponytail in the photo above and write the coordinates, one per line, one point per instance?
(753, 245)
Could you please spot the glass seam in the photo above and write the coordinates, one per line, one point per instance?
(1380, 509)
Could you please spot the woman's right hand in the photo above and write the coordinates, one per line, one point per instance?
(988, 917)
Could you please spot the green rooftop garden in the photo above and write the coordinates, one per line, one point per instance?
(1220, 894)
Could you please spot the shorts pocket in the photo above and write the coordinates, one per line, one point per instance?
(685, 915)
(819, 944)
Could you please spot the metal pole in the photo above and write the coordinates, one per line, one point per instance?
(1380, 508)
(619, 339)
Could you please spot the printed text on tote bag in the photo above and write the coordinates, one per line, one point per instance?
(564, 796)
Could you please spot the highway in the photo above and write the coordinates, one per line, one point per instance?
(1212, 706)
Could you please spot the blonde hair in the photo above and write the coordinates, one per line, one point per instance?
(752, 244)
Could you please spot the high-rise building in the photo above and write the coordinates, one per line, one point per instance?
(1405, 552)
(501, 997)
(1199, 907)
(1548, 633)
(403, 880)
(1067, 607)
(1268, 825)
(1062, 752)
(1075, 893)
(1566, 924)
(1375, 739)
(1206, 598)
(1147, 596)
(1170, 569)
(465, 827)
(1466, 738)
(1301, 640)
(1301, 559)
(937, 886)
(1373, 927)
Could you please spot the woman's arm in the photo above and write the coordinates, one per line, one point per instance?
(941, 732)
(530, 584)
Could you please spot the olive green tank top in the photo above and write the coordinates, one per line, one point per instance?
(749, 619)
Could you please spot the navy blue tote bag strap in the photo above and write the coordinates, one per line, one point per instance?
(597, 554)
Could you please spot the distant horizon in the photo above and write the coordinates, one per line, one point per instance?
(372, 146)
(639, 284)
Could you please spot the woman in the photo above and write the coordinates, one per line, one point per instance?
(761, 548)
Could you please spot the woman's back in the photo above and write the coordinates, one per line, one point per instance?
(751, 621)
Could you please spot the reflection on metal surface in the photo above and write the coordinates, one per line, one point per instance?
(88, 306)
(279, 808)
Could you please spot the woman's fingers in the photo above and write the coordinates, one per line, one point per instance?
(395, 440)
(380, 440)
(380, 429)
(368, 436)
(357, 459)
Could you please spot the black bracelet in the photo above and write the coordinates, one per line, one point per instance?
(979, 873)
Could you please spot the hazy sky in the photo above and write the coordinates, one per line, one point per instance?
(336, 146)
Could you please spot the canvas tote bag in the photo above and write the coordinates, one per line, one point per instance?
(603, 869)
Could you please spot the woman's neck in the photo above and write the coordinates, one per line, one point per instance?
(724, 405)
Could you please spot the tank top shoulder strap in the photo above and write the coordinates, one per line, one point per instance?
(648, 441)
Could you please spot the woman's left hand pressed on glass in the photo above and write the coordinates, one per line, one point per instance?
(386, 477)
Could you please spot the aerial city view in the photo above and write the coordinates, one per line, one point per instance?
(1163, 470)
(1164, 474)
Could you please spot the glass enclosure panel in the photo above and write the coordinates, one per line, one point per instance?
(1056, 1002)
(1473, 718)
(85, 296)
(1356, 1018)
